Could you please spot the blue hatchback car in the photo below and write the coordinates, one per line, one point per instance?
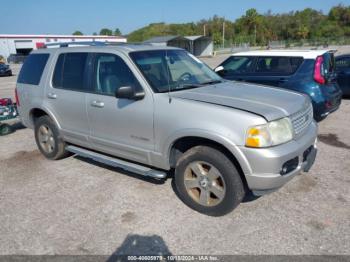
(311, 72)
(343, 73)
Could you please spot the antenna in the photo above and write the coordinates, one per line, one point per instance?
(168, 74)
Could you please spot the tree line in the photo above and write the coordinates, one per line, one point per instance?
(254, 28)
(103, 31)
(259, 29)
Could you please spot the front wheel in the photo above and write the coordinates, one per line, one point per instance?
(5, 129)
(48, 140)
(208, 181)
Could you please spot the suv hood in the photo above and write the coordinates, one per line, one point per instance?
(269, 102)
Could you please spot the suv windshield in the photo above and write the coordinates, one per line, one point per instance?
(173, 70)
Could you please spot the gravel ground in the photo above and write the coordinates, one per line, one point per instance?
(75, 206)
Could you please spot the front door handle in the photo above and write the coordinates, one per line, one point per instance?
(98, 104)
(52, 95)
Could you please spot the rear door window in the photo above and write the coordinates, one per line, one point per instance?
(32, 69)
(70, 72)
(278, 65)
(238, 64)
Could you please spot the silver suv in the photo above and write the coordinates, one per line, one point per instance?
(149, 110)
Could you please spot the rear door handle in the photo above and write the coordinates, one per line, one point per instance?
(98, 104)
(52, 95)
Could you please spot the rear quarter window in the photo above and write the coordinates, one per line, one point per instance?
(32, 69)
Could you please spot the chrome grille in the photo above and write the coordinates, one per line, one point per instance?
(302, 119)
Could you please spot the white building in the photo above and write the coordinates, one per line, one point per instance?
(24, 44)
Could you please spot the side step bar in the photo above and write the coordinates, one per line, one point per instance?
(115, 162)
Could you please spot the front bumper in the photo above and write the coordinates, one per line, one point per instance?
(266, 164)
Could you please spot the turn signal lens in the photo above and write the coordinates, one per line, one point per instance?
(258, 136)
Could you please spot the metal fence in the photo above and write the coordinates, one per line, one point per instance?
(319, 43)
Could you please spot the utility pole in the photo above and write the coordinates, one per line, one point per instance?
(254, 34)
(204, 29)
(223, 34)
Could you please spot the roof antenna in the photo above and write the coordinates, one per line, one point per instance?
(168, 73)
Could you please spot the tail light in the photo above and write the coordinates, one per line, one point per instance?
(16, 96)
(318, 77)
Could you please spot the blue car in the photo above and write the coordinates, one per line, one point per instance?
(311, 72)
(5, 70)
(343, 73)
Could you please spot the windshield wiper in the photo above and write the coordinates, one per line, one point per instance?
(182, 87)
(186, 86)
(212, 82)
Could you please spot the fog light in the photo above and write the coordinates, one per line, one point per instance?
(289, 166)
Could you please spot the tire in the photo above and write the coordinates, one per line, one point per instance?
(48, 139)
(5, 129)
(209, 163)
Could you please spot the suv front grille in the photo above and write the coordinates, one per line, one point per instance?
(302, 119)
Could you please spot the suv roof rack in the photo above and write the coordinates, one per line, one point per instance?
(86, 43)
(90, 43)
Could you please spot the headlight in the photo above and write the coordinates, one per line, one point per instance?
(270, 134)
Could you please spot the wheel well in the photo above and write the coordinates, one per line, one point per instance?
(183, 144)
(36, 113)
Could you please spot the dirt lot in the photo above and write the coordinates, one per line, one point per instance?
(75, 206)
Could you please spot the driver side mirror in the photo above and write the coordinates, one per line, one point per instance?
(128, 92)
(219, 68)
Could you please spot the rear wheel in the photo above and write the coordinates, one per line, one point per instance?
(48, 140)
(208, 181)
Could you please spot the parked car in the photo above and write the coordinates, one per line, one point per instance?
(311, 72)
(343, 73)
(5, 70)
(148, 110)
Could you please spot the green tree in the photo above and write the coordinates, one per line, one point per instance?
(117, 32)
(77, 33)
(106, 31)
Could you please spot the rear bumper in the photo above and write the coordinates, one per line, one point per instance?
(267, 164)
(328, 105)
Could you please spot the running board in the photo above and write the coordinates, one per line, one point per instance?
(115, 162)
